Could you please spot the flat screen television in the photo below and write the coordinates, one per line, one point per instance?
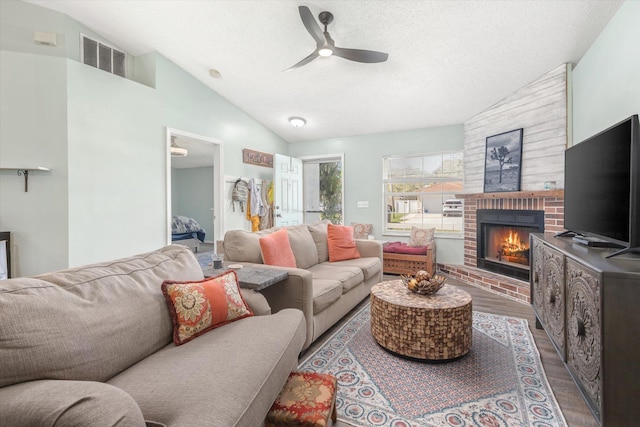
(602, 188)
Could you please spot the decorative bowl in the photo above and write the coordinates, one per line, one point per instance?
(423, 283)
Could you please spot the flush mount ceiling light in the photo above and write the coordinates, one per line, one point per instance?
(297, 122)
(177, 151)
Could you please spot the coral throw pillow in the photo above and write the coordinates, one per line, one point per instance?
(361, 231)
(198, 307)
(276, 250)
(341, 243)
(421, 236)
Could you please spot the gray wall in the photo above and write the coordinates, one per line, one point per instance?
(606, 81)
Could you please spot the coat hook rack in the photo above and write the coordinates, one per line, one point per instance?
(25, 172)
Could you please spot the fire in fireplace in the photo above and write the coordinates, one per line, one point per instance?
(509, 245)
(503, 240)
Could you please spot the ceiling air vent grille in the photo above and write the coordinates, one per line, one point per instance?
(102, 56)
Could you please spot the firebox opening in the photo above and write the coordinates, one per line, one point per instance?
(508, 245)
(503, 240)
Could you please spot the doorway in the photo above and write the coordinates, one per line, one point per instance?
(195, 182)
(323, 188)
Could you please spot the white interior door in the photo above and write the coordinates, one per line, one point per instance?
(287, 178)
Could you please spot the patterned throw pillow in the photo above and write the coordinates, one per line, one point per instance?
(341, 243)
(421, 236)
(361, 231)
(198, 307)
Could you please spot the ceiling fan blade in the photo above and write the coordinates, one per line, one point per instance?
(306, 60)
(311, 24)
(360, 55)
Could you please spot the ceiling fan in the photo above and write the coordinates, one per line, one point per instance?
(325, 44)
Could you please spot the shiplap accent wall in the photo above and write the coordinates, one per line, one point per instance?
(540, 108)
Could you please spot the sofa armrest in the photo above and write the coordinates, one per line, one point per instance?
(294, 292)
(68, 403)
(369, 248)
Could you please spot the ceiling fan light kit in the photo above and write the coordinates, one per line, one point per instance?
(325, 46)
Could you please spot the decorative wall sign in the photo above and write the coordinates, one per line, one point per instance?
(258, 158)
(503, 159)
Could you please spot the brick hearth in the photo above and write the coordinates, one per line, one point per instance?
(551, 202)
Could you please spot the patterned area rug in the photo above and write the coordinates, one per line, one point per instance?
(500, 382)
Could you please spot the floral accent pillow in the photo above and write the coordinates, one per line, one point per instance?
(198, 307)
(421, 236)
(361, 231)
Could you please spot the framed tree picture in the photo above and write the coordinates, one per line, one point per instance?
(503, 159)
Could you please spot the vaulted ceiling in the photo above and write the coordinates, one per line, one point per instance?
(448, 60)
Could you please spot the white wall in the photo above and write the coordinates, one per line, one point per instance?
(363, 173)
(33, 133)
(540, 109)
(107, 198)
(606, 81)
(116, 165)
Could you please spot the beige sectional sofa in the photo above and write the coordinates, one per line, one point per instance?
(324, 291)
(92, 346)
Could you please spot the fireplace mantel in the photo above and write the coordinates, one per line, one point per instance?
(513, 195)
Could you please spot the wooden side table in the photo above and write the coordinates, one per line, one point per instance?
(431, 327)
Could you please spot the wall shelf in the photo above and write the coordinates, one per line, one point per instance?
(25, 172)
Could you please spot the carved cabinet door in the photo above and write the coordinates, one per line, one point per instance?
(536, 278)
(554, 298)
(584, 345)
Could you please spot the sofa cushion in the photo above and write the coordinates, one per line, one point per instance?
(46, 332)
(341, 243)
(303, 247)
(68, 403)
(244, 246)
(325, 293)
(347, 275)
(198, 307)
(229, 376)
(403, 248)
(276, 250)
(319, 233)
(370, 266)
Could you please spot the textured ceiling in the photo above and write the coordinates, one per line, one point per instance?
(448, 60)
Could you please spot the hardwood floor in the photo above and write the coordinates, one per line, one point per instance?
(573, 406)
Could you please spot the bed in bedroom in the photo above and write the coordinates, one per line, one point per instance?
(186, 231)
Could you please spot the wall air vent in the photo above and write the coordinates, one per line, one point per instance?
(100, 55)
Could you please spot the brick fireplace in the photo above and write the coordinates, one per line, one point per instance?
(541, 110)
(549, 202)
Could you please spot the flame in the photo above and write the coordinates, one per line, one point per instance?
(512, 244)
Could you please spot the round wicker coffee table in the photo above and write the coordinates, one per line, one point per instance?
(431, 327)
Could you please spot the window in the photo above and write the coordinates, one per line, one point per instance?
(102, 56)
(420, 191)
